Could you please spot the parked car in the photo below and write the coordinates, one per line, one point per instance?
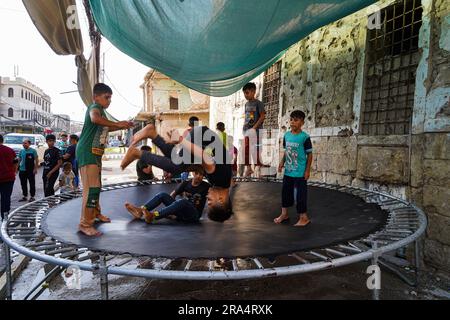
(15, 140)
(115, 143)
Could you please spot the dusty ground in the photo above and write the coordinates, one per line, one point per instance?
(345, 283)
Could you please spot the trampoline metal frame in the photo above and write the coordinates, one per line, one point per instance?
(21, 232)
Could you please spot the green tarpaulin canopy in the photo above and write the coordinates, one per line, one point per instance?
(213, 46)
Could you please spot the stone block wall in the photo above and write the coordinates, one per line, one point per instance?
(323, 76)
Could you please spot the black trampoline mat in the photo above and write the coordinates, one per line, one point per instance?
(336, 217)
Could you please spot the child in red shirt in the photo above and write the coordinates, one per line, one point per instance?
(8, 168)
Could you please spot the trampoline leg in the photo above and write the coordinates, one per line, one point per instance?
(103, 278)
(7, 253)
(375, 290)
(417, 259)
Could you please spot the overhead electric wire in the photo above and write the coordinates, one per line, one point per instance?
(120, 94)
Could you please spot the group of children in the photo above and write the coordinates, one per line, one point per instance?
(54, 159)
(199, 150)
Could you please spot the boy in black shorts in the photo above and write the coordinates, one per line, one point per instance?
(143, 170)
(201, 149)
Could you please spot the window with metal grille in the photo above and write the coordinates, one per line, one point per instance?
(173, 103)
(271, 95)
(392, 57)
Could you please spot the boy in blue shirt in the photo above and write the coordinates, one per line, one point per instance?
(297, 161)
(28, 164)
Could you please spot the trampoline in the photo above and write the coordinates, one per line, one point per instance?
(348, 225)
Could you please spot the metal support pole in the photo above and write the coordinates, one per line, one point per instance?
(417, 259)
(7, 253)
(375, 256)
(103, 278)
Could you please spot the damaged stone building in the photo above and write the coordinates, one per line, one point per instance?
(375, 87)
(171, 102)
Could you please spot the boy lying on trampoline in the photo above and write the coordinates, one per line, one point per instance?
(201, 149)
(189, 209)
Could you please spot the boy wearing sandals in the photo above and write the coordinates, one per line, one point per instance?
(297, 161)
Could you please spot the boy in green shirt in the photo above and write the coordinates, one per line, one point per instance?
(89, 153)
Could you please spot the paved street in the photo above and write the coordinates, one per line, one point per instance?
(111, 174)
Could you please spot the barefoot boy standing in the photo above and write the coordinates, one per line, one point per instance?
(90, 149)
(297, 162)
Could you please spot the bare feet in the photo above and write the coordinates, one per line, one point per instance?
(89, 231)
(148, 216)
(173, 136)
(132, 154)
(135, 211)
(303, 221)
(282, 218)
(149, 131)
(248, 172)
(103, 218)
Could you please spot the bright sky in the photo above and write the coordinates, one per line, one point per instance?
(22, 45)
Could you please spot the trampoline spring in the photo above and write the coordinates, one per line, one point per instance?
(48, 247)
(392, 235)
(388, 202)
(72, 254)
(235, 265)
(402, 218)
(399, 231)
(336, 252)
(188, 265)
(165, 264)
(61, 250)
(300, 259)
(38, 244)
(318, 255)
(88, 256)
(21, 228)
(402, 215)
(24, 213)
(401, 222)
(124, 262)
(258, 263)
(350, 248)
(386, 238)
(399, 225)
(14, 219)
(26, 233)
(26, 237)
(109, 257)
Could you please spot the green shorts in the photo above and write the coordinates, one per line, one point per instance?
(87, 158)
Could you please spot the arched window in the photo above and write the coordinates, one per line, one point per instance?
(10, 112)
(10, 93)
(22, 113)
(22, 94)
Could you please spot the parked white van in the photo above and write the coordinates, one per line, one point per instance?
(14, 141)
